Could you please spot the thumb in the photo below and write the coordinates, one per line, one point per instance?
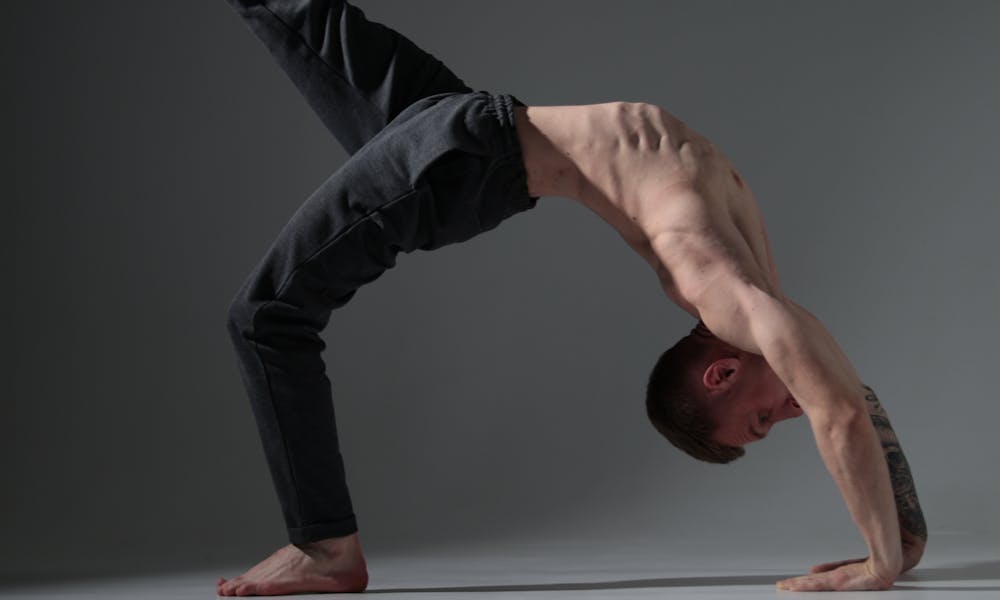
(834, 565)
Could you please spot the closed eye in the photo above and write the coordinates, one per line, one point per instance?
(762, 420)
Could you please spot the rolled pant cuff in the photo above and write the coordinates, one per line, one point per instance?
(312, 533)
(502, 107)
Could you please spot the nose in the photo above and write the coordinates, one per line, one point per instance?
(791, 409)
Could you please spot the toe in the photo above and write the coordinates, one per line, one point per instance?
(245, 589)
(229, 586)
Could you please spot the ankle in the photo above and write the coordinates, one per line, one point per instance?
(333, 546)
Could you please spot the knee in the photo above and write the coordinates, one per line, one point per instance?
(239, 317)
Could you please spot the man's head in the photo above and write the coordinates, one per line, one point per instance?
(710, 399)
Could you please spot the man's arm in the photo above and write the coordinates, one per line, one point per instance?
(821, 378)
(811, 364)
(912, 528)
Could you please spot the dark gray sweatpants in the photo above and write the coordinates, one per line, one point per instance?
(433, 163)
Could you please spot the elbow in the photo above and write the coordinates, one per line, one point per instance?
(839, 420)
(838, 428)
(838, 408)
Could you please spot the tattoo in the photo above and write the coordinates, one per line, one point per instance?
(911, 518)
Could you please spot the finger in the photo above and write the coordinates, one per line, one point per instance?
(834, 565)
(825, 567)
(805, 583)
(788, 584)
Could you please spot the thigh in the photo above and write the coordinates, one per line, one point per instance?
(443, 175)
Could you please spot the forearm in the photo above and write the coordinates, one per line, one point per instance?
(853, 455)
(913, 529)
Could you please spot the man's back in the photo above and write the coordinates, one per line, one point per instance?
(667, 191)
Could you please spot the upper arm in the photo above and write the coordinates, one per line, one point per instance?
(811, 363)
(794, 343)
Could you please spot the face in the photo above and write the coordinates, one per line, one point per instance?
(746, 399)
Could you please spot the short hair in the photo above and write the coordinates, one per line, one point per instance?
(675, 403)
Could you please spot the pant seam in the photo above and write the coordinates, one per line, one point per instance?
(366, 217)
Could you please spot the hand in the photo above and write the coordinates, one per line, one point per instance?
(913, 550)
(854, 574)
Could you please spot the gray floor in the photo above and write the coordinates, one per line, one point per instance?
(962, 568)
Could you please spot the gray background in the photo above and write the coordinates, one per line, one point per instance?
(490, 390)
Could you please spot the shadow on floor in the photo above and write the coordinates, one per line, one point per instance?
(598, 585)
(965, 572)
(973, 571)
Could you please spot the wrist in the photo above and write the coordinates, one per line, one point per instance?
(886, 565)
(886, 559)
(884, 577)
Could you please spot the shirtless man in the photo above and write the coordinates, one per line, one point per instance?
(434, 163)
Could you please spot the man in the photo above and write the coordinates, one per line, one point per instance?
(434, 163)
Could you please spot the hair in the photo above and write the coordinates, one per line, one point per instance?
(675, 401)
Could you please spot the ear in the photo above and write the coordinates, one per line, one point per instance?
(721, 374)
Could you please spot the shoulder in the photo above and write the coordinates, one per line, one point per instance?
(728, 292)
(739, 308)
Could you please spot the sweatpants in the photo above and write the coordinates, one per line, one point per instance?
(432, 163)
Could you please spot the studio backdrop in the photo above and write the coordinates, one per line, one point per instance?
(490, 390)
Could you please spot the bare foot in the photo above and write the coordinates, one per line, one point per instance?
(330, 565)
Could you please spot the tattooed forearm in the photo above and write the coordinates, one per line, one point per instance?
(911, 518)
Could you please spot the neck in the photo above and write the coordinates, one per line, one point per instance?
(716, 348)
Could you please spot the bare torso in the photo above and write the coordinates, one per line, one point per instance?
(641, 179)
